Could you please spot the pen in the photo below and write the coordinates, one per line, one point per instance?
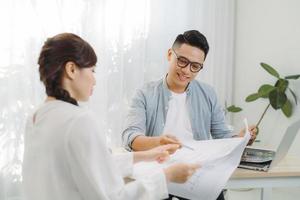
(188, 147)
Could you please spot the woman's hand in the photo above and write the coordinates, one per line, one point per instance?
(180, 172)
(159, 154)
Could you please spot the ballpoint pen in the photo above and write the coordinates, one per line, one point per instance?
(188, 147)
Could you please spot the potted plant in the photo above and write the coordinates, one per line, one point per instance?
(275, 94)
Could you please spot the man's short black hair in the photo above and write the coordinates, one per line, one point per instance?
(193, 38)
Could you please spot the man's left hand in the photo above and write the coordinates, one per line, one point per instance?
(253, 133)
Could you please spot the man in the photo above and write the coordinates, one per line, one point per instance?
(177, 107)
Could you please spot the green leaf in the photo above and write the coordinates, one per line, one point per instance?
(287, 108)
(277, 98)
(252, 97)
(282, 84)
(234, 109)
(270, 69)
(294, 95)
(293, 76)
(264, 90)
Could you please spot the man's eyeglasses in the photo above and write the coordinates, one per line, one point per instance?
(183, 62)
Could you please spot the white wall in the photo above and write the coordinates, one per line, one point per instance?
(266, 31)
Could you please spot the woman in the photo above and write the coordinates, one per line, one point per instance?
(66, 156)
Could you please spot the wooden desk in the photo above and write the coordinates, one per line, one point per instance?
(285, 174)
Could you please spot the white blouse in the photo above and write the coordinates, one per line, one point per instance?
(66, 157)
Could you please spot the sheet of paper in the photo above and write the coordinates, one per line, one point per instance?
(218, 158)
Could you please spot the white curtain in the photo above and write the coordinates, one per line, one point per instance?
(131, 39)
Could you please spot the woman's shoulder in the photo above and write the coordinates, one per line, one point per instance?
(76, 112)
(62, 111)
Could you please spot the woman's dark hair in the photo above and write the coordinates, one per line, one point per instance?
(55, 53)
(193, 38)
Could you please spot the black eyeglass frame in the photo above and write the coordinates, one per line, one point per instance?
(187, 62)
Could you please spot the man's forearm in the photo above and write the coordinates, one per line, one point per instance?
(142, 143)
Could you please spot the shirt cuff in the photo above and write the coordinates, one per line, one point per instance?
(131, 139)
(160, 180)
(124, 161)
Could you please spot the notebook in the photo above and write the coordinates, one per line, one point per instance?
(263, 159)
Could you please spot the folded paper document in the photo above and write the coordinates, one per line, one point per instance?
(218, 159)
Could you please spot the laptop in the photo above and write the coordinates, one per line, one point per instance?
(263, 159)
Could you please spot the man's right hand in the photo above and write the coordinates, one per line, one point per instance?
(169, 139)
(143, 143)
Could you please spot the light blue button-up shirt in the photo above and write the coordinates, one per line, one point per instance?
(149, 108)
